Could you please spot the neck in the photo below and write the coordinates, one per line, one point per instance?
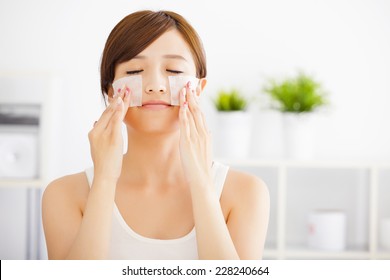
(152, 159)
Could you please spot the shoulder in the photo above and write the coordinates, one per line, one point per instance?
(244, 189)
(69, 189)
(241, 183)
(247, 200)
(63, 205)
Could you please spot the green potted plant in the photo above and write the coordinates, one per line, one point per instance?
(228, 101)
(233, 134)
(301, 94)
(297, 98)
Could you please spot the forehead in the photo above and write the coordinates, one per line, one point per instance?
(169, 43)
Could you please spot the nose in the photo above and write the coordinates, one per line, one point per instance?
(156, 84)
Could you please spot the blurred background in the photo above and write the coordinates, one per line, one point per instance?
(50, 96)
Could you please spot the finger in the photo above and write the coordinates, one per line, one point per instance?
(200, 122)
(119, 92)
(196, 113)
(104, 119)
(115, 123)
(197, 95)
(198, 92)
(182, 96)
(190, 116)
(183, 118)
(185, 132)
(124, 93)
(126, 101)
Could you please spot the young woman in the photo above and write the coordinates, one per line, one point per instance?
(165, 198)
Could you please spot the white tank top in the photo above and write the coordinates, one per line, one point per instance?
(127, 244)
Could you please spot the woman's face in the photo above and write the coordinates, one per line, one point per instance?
(169, 55)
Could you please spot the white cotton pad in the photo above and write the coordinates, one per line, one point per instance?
(134, 83)
(177, 83)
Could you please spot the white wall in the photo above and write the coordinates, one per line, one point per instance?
(344, 44)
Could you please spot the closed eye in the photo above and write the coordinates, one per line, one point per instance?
(175, 71)
(134, 72)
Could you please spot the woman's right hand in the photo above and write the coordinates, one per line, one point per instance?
(106, 139)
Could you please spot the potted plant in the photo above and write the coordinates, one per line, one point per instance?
(233, 133)
(297, 98)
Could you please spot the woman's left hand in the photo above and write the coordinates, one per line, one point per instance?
(195, 139)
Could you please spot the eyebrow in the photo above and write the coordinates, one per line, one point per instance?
(174, 56)
(171, 56)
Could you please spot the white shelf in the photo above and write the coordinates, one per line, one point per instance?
(307, 163)
(21, 183)
(270, 254)
(296, 186)
(303, 253)
(382, 256)
(313, 254)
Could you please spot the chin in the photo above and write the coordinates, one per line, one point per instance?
(152, 123)
(154, 130)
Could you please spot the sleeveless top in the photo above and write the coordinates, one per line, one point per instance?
(127, 244)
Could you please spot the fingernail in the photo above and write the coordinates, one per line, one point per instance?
(189, 84)
(119, 89)
(185, 104)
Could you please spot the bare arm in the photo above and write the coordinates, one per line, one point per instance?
(213, 238)
(243, 235)
(71, 234)
(249, 216)
(92, 241)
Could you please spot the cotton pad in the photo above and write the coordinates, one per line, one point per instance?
(134, 83)
(177, 83)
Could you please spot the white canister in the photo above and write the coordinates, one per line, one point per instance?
(233, 134)
(327, 230)
(298, 136)
(384, 233)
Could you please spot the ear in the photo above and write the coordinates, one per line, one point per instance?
(201, 86)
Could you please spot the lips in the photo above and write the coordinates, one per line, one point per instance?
(156, 105)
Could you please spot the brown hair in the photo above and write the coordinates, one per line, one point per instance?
(136, 32)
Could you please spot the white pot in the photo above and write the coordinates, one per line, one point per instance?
(327, 230)
(298, 136)
(267, 134)
(232, 137)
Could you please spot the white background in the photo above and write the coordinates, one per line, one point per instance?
(343, 44)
